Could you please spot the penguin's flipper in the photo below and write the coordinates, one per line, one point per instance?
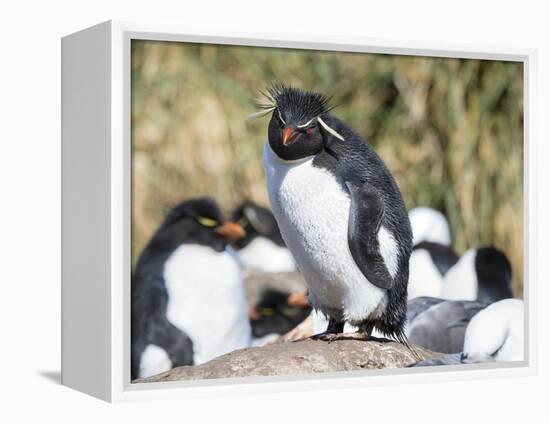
(151, 326)
(365, 218)
(176, 343)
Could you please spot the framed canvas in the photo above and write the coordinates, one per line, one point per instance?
(153, 116)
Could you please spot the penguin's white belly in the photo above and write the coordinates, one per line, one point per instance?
(264, 255)
(312, 211)
(206, 300)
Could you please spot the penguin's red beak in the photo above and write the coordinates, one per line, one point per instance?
(231, 230)
(253, 314)
(297, 299)
(287, 135)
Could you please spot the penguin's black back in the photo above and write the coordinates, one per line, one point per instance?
(355, 161)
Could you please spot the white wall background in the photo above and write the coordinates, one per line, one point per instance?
(30, 207)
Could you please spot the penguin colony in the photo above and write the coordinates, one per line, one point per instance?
(336, 216)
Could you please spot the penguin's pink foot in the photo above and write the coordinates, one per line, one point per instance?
(356, 336)
(327, 336)
(377, 339)
(364, 336)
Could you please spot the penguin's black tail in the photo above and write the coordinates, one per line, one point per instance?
(397, 333)
(400, 337)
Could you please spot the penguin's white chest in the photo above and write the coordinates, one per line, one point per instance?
(206, 300)
(312, 211)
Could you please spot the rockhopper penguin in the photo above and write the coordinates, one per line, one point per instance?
(188, 300)
(341, 214)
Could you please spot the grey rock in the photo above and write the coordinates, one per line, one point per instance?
(444, 360)
(299, 357)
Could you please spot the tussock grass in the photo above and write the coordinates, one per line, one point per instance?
(450, 130)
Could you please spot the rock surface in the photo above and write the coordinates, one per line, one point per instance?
(299, 357)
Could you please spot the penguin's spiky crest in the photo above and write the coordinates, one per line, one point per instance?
(303, 104)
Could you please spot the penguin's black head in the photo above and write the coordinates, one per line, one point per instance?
(298, 126)
(256, 221)
(494, 275)
(198, 221)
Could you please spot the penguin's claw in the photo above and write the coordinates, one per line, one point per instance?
(326, 336)
(357, 336)
(364, 336)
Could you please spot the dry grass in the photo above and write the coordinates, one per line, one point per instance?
(450, 130)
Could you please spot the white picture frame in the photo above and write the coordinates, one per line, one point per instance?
(96, 227)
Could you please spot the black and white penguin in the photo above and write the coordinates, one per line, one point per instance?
(440, 325)
(429, 263)
(482, 274)
(188, 299)
(495, 333)
(340, 213)
(263, 248)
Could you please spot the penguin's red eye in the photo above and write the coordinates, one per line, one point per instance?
(309, 130)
